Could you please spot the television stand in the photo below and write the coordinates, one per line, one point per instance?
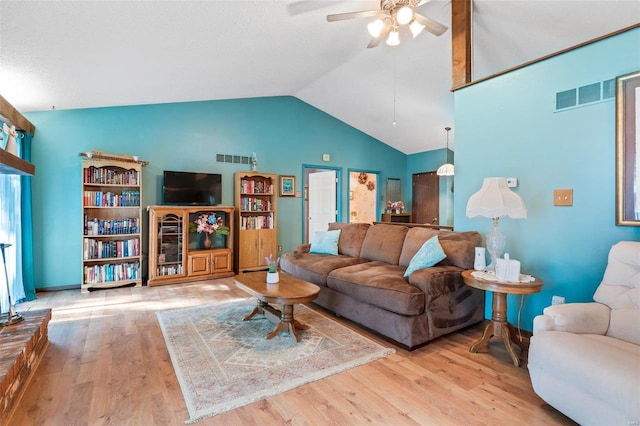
(177, 255)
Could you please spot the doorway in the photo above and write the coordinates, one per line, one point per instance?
(321, 198)
(363, 196)
(425, 204)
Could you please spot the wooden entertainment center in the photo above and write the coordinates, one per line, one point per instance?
(177, 256)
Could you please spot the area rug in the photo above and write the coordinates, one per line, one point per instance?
(223, 363)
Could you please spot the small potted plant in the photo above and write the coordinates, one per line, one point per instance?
(272, 275)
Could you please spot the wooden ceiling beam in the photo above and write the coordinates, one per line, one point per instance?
(460, 43)
(12, 116)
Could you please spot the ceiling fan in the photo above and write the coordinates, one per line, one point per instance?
(392, 16)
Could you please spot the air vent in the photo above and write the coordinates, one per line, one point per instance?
(585, 95)
(230, 158)
(588, 94)
(609, 89)
(566, 99)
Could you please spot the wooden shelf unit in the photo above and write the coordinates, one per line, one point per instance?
(256, 232)
(112, 230)
(397, 217)
(174, 253)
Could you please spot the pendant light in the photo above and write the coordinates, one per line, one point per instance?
(446, 169)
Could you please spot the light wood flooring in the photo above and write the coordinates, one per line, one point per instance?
(107, 364)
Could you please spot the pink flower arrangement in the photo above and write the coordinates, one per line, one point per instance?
(210, 224)
(395, 205)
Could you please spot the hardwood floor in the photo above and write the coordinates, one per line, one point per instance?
(107, 364)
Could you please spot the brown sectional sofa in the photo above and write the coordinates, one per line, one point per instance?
(364, 282)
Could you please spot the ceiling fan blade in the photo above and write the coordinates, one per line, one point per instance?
(434, 27)
(304, 6)
(352, 15)
(383, 33)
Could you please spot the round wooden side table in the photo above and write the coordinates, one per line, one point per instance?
(499, 326)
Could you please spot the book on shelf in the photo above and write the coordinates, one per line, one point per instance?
(109, 227)
(111, 176)
(111, 272)
(127, 198)
(256, 222)
(251, 186)
(97, 249)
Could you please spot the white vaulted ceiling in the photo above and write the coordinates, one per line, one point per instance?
(79, 54)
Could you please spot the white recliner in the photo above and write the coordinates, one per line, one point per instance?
(584, 358)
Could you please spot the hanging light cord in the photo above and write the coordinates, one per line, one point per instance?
(395, 82)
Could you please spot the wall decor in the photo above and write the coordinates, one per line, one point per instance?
(287, 186)
(628, 149)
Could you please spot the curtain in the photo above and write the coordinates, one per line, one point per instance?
(28, 280)
(10, 233)
(16, 228)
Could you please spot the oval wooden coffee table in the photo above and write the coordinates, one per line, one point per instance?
(289, 291)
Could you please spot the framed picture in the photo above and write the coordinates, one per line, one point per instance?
(287, 186)
(628, 149)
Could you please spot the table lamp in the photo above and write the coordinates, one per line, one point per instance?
(495, 200)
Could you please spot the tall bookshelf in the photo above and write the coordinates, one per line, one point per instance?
(112, 223)
(256, 231)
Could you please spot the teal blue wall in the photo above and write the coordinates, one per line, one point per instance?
(507, 126)
(283, 131)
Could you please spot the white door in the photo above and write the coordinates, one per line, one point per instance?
(322, 201)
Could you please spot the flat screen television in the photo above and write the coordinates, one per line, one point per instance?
(190, 188)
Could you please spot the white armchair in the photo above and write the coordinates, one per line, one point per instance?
(584, 358)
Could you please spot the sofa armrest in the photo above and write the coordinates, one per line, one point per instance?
(581, 318)
(301, 248)
(437, 280)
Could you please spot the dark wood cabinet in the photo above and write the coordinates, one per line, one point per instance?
(397, 217)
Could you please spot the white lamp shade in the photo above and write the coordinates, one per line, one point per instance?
(394, 38)
(495, 199)
(446, 169)
(375, 28)
(404, 15)
(416, 28)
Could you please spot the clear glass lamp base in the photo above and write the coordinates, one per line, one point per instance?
(495, 244)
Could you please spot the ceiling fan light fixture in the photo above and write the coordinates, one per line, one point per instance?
(404, 15)
(394, 38)
(416, 28)
(375, 28)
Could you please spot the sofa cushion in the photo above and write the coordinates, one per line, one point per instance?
(351, 237)
(384, 243)
(315, 267)
(325, 242)
(414, 239)
(459, 247)
(378, 284)
(429, 254)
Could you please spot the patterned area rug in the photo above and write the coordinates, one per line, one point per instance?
(224, 363)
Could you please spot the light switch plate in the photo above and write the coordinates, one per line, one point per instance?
(512, 182)
(326, 157)
(563, 197)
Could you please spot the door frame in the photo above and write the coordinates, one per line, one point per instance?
(309, 168)
(372, 172)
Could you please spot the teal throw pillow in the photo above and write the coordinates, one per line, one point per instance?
(429, 254)
(325, 242)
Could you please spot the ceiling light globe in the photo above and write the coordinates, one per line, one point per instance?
(375, 28)
(404, 15)
(394, 38)
(416, 28)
